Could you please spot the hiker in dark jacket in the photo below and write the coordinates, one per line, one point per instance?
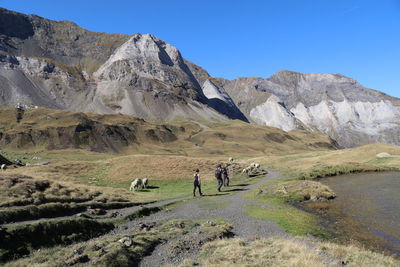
(218, 176)
(225, 174)
(196, 182)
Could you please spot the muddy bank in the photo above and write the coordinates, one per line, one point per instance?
(366, 210)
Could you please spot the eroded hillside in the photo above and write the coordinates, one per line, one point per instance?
(57, 129)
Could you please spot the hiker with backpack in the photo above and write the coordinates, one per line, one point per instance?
(196, 182)
(218, 176)
(225, 174)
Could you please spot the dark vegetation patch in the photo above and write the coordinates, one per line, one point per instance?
(52, 210)
(278, 137)
(17, 241)
(143, 212)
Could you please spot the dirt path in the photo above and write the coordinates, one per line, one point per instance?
(229, 207)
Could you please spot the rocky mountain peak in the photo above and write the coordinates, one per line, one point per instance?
(149, 47)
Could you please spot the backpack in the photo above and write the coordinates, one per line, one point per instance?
(225, 172)
(218, 173)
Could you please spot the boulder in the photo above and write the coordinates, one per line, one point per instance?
(383, 155)
(126, 241)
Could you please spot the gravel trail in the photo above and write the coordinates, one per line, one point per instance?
(226, 206)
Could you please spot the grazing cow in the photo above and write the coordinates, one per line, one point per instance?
(138, 182)
(3, 167)
(231, 160)
(145, 182)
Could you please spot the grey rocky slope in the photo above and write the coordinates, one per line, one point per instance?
(331, 103)
(60, 65)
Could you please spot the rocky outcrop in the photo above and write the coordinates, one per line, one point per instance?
(221, 101)
(331, 103)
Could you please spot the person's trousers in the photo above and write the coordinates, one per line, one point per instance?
(226, 181)
(196, 185)
(220, 184)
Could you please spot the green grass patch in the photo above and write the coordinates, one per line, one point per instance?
(169, 189)
(291, 219)
(294, 221)
(98, 177)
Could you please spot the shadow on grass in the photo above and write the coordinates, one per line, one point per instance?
(235, 190)
(147, 189)
(152, 187)
(214, 195)
(240, 184)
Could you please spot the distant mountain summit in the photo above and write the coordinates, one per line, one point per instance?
(57, 64)
(331, 103)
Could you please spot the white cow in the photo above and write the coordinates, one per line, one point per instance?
(231, 160)
(145, 182)
(138, 182)
(3, 167)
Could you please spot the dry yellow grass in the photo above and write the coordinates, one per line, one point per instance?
(67, 175)
(125, 168)
(161, 167)
(51, 128)
(286, 252)
(264, 252)
(363, 156)
(243, 140)
(354, 256)
(302, 190)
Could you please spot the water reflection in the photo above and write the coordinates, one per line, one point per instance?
(367, 208)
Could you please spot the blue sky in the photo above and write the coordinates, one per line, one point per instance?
(359, 39)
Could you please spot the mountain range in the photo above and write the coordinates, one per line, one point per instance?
(57, 64)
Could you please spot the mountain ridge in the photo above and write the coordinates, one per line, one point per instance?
(58, 64)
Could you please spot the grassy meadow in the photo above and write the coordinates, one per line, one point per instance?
(78, 177)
